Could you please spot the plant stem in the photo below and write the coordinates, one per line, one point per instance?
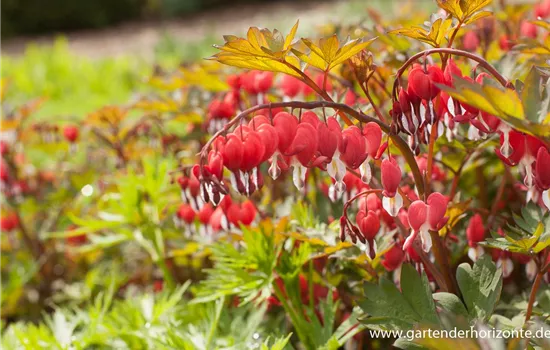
(496, 202)
(482, 62)
(318, 90)
(441, 257)
(451, 39)
(166, 273)
(294, 317)
(532, 297)
(429, 170)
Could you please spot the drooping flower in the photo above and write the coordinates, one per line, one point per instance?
(369, 225)
(9, 222)
(475, 233)
(70, 132)
(542, 174)
(241, 214)
(301, 152)
(393, 258)
(373, 138)
(391, 177)
(186, 214)
(424, 82)
(426, 217)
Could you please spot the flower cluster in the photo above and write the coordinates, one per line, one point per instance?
(286, 141)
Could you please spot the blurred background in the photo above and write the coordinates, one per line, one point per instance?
(81, 55)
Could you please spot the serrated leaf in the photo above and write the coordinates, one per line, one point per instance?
(389, 309)
(433, 37)
(462, 10)
(477, 16)
(451, 303)
(328, 54)
(261, 50)
(480, 286)
(531, 96)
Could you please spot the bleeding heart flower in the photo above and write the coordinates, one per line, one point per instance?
(70, 132)
(241, 214)
(302, 150)
(220, 109)
(475, 233)
(391, 177)
(470, 41)
(451, 71)
(329, 136)
(218, 220)
(528, 30)
(257, 82)
(512, 147)
(267, 134)
(424, 217)
(234, 81)
(215, 164)
(285, 124)
(290, 86)
(186, 213)
(9, 222)
(369, 225)
(205, 213)
(393, 258)
(353, 150)
(423, 83)
(253, 151)
(542, 174)
(310, 118)
(263, 80)
(231, 148)
(542, 9)
(373, 138)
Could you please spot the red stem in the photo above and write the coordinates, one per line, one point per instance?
(482, 62)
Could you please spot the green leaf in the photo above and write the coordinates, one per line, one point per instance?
(531, 95)
(480, 286)
(421, 300)
(390, 309)
(451, 303)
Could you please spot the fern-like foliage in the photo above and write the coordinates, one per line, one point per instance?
(243, 268)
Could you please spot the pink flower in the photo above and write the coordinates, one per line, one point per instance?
(391, 177)
(424, 217)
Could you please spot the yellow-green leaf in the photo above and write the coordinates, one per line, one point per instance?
(328, 54)
(290, 37)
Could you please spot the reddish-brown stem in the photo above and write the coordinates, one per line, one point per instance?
(441, 257)
(482, 62)
(382, 85)
(496, 202)
(457, 175)
(34, 246)
(429, 265)
(451, 39)
(433, 138)
(376, 109)
(533, 297)
(352, 199)
(318, 90)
